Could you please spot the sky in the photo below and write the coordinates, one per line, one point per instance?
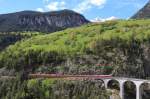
(91, 9)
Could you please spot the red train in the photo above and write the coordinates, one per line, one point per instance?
(68, 76)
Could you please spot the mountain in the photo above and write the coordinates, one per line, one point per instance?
(40, 21)
(143, 13)
(120, 48)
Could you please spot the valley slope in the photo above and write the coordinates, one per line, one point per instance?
(120, 48)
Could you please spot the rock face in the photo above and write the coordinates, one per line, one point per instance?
(38, 21)
(143, 13)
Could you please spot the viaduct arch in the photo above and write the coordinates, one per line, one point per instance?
(138, 83)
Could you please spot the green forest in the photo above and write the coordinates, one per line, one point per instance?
(51, 89)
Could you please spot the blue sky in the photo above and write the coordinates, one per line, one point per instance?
(91, 9)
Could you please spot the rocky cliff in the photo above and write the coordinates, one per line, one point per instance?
(143, 13)
(38, 21)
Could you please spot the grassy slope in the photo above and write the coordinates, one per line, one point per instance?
(88, 39)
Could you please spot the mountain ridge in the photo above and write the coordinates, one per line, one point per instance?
(40, 21)
(143, 13)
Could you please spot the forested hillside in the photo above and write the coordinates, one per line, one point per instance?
(7, 39)
(120, 47)
(51, 89)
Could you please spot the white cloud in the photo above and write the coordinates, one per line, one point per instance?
(56, 6)
(82, 7)
(97, 2)
(40, 10)
(98, 19)
(87, 4)
(112, 18)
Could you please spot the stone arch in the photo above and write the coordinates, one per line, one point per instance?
(129, 89)
(106, 82)
(145, 90)
(122, 84)
(113, 84)
(116, 85)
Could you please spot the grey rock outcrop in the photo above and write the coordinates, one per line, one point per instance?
(40, 21)
(143, 13)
